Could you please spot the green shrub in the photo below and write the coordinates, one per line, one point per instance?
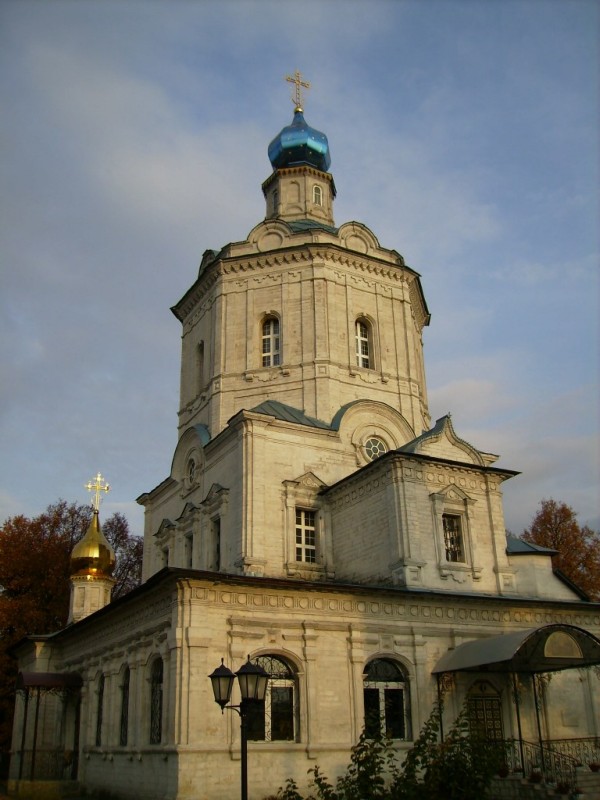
(459, 768)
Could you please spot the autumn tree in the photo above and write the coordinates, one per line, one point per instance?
(555, 526)
(34, 580)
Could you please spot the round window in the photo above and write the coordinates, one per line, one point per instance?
(375, 447)
(191, 471)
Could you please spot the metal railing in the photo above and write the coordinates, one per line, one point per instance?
(583, 751)
(552, 766)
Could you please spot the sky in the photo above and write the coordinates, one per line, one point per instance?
(134, 136)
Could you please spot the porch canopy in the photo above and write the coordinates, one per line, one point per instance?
(546, 649)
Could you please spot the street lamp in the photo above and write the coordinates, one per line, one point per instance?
(253, 686)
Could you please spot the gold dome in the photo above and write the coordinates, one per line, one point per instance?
(93, 555)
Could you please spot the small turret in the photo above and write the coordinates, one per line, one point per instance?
(92, 563)
(300, 188)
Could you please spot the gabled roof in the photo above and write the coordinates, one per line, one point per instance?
(274, 408)
(443, 426)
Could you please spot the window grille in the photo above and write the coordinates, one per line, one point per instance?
(156, 702)
(306, 536)
(317, 195)
(271, 350)
(453, 540)
(274, 719)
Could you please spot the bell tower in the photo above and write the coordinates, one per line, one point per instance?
(302, 312)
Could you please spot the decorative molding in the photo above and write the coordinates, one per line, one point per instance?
(407, 608)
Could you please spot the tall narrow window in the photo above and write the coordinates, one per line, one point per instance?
(124, 723)
(189, 551)
(385, 694)
(306, 534)
(215, 562)
(317, 195)
(100, 711)
(275, 718)
(200, 366)
(156, 701)
(271, 342)
(363, 344)
(453, 540)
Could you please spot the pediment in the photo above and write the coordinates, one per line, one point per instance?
(188, 509)
(310, 481)
(216, 492)
(165, 528)
(442, 442)
(454, 494)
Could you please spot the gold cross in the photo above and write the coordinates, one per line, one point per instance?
(97, 485)
(297, 96)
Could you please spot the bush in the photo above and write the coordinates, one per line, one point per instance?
(459, 768)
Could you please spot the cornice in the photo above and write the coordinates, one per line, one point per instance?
(300, 255)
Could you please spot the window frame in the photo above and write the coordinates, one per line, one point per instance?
(386, 689)
(365, 355)
(156, 705)
(100, 709)
(317, 195)
(260, 715)
(270, 338)
(124, 715)
(306, 533)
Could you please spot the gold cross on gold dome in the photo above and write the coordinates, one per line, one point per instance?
(97, 485)
(297, 96)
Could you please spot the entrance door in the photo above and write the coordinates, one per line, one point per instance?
(485, 712)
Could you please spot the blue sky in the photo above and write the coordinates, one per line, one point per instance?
(135, 133)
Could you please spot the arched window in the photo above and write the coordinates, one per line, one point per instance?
(100, 711)
(317, 195)
(274, 719)
(386, 697)
(362, 333)
(124, 722)
(156, 701)
(271, 342)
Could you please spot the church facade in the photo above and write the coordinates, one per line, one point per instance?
(315, 520)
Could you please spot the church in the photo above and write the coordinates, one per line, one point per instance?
(316, 521)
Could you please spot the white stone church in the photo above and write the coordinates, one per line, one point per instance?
(316, 520)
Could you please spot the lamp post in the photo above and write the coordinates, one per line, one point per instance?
(253, 686)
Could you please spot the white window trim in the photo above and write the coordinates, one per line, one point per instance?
(454, 502)
(303, 494)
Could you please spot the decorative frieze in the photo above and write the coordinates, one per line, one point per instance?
(453, 610)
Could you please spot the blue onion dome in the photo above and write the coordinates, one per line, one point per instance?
(298, 143)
